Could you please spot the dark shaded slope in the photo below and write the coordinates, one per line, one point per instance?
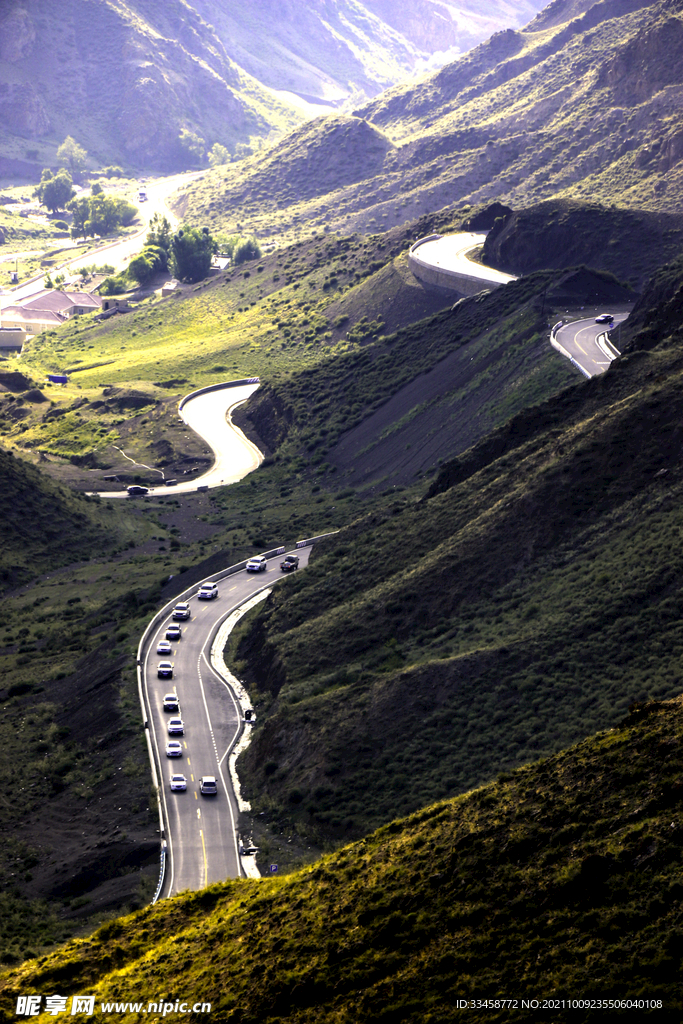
(563, 233)
(531, 598)
(42, 524)
(560, 882)
(399, 404)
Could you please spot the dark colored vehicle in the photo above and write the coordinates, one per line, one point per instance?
(604, 318)
(136, 490)
(290, 563)
(170, 483)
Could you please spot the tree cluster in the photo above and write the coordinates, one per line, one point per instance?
(99, 214)
(155, 254)
(55, 190)
(191, 252)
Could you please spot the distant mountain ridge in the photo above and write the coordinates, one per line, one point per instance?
(126, 77)
(582, 104)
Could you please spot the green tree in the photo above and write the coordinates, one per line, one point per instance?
(96, 188)
(191, 252)
(80, 212)
(103, 215)
(126, 212)
(218, 155)
(99, 215)
(245, 250)
(71, 154)
(55, 190)
(147, 263)
(159, 233)
(194, 145)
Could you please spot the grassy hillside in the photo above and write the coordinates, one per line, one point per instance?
(581, 104)
(431, 645)
(558, 882)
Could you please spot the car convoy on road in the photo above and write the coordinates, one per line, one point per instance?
(175, 727)
(195, 718)
(208, 785)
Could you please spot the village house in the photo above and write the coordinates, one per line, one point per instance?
(44, 311)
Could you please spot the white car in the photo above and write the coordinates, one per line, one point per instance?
(174, 749)
(178, 781)
(207, 591)
(176, 727)
(165, 670)
(208, 785)
(181, 611)
(171, 702)
(164, 647)
(257, 564)
(173, 632)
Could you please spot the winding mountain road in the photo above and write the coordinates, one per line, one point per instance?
(584, 342)
(208, 413)
(201, 831)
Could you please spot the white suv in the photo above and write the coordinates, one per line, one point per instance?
(181, 610)
(207, 591)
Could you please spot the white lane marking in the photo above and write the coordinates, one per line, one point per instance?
(152, 730)
(213, 740)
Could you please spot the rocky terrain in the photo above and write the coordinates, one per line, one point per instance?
(126, 79)
(582, 104)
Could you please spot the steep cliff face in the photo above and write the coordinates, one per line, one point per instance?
(125, 82)
(331, 49)
(126, 77)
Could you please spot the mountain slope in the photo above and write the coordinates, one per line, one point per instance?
(428, 646)
(578, 106)
(559, 882)
(139, 73)
(324, 50)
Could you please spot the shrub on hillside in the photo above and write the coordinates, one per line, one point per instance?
(245, 250)
(115, 285)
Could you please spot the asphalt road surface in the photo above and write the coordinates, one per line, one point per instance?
(235, 455)
(450, 252)
(579, 340)
(201, 830)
